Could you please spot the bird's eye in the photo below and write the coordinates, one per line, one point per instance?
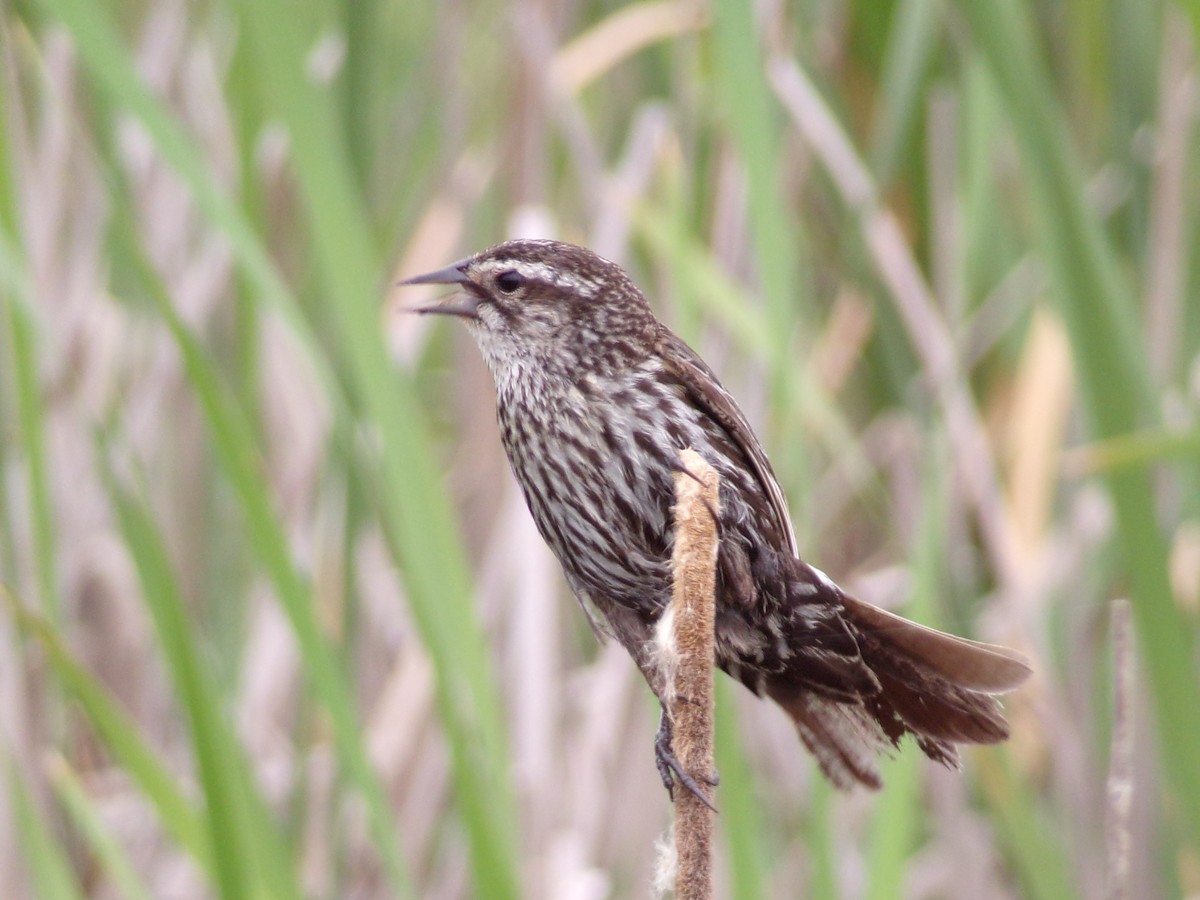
(509, 281)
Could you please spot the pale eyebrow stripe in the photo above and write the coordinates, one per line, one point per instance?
(536, 271)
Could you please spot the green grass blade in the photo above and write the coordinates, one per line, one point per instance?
(112, 858)
(753, 127)
(22, 343)
(45, 854)
(247, 850)
(121, 737)
(910, 50)
(16, 369)
(741, 815)
(1140, 449)
(1034, 847)
(821, 841)
(894, 823)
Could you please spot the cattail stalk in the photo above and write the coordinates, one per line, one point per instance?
(690, 693)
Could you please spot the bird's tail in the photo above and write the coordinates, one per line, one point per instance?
(939, 688)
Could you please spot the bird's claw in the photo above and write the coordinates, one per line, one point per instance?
(670, 770)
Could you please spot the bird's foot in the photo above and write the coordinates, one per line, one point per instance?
(671, 770)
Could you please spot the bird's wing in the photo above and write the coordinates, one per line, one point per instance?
(706, 391)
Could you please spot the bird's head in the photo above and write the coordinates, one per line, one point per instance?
(546, 306)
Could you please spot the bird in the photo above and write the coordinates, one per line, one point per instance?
(595, 399)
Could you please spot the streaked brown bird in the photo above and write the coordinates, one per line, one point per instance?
(595, 399)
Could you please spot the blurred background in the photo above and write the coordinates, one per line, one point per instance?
(274, 621)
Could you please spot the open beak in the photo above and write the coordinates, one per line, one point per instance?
(460, 304)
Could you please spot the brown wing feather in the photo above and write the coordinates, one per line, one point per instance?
(706, 391)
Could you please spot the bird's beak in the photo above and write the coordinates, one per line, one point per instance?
(462, 304)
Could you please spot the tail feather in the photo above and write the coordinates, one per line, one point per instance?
(935, 686)
(842, 737)
(971, 665)
(945, 713)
